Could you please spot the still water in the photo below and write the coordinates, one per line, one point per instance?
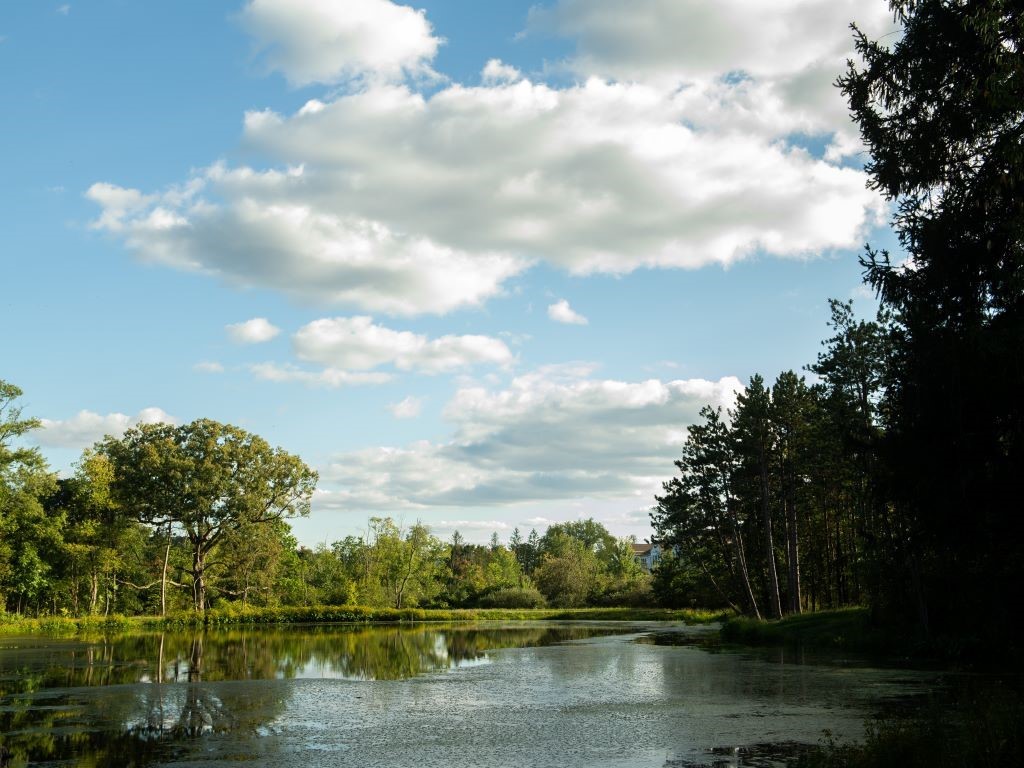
(483, 695)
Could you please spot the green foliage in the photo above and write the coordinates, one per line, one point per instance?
(343, 614)
(677, 582)
(569, 573)
(27, 535)
(513, 597)
(210, 480)
(778, 507)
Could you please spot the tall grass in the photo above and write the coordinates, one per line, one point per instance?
(848, 628)
(325, 614)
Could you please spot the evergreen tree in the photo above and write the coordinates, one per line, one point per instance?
(941, 110)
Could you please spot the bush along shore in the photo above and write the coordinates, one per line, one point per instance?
(11, 624)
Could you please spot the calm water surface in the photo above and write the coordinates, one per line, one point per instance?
(486, 695)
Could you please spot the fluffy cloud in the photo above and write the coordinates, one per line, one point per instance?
(208, 366)
(356, 343)
(407, 408)
(481, 182)
(389, 200)
(86, 427)
(267, 231)
(497, 71)
(555, 434)
(561, 312)
(774, 62)
(254, 331)
(686, 39)
(324, 41)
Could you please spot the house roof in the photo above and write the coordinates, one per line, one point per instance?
(641, 549)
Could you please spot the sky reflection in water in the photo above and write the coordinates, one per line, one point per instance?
(424, 695)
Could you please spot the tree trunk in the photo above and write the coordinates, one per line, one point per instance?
(714, 583)
(741, 561)
(769, 542)
(94, 594)
(163, 575)
(793, 554)
(199, 579)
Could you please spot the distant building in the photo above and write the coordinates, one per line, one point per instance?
(647, 555)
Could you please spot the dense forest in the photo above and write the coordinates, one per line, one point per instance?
(893, 479)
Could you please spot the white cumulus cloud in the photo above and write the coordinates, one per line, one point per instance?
(254, 331)
(326, 41)
(357, 343)
(497, 71)
(86, 427)
(561, 312)
(773, 62)
(391, 200)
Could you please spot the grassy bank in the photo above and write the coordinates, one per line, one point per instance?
(344, 615)
(848, 628)
(851, 629)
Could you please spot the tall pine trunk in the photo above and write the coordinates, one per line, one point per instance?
(769, 541)
(793, 556)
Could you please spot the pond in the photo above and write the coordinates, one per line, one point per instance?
(525, 694)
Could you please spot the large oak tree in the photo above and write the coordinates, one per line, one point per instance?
(209, 480)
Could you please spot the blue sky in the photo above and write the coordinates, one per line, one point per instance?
(479, 263)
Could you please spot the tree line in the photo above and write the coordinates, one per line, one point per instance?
(169, 518)
(775, 509)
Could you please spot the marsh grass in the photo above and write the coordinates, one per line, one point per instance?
(342, 615)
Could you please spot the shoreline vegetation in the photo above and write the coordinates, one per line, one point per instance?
(849, 629)
(64, 625)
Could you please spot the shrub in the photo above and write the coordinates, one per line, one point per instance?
(513, 597)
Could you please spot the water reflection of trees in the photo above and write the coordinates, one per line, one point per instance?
(61, 700)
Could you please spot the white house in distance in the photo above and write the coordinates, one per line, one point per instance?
(647, 555)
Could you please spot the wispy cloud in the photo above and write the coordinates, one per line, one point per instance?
(208, 366)
(407, 408)
(329, 377)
